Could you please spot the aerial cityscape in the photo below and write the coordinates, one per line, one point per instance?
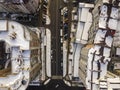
(59, 44)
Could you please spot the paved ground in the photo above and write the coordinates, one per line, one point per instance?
(55, 85)
(54, 26)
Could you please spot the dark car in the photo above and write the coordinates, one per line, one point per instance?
(65, 26)
(65, 14)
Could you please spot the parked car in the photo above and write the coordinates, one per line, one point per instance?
(74, 14)
(75, 3)
(65, 26)
(65, 1)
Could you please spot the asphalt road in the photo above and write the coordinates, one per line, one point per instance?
(55, 16)
(56, 85)
(55, 30)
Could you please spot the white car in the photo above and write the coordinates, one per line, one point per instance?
(65, 1)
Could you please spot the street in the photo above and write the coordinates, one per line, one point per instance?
(55, 42)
